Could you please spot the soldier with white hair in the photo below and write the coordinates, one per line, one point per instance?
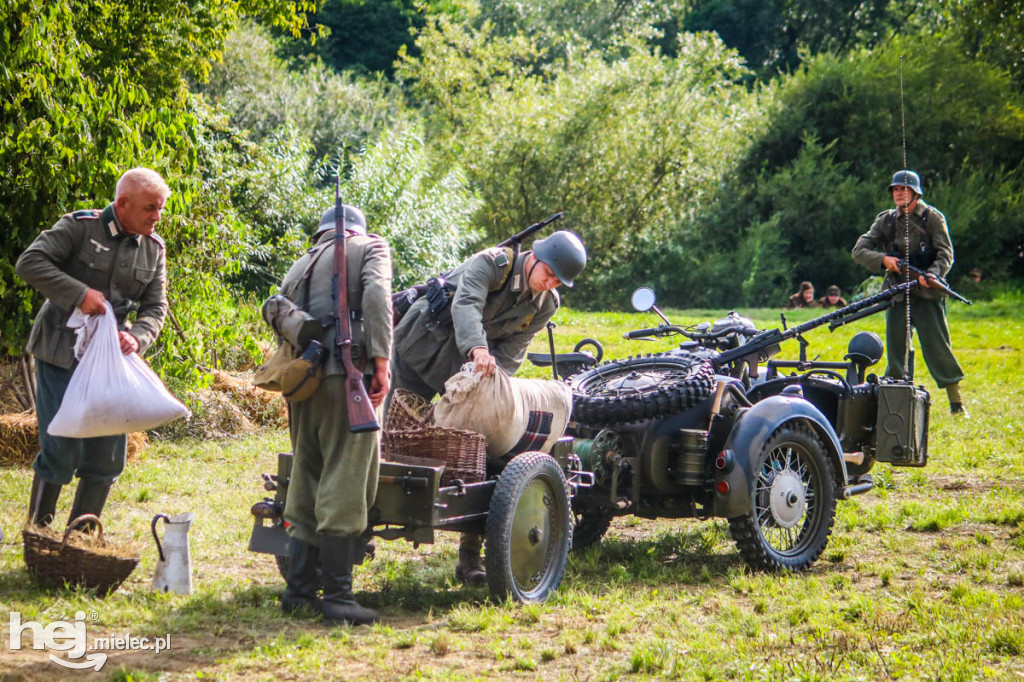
(87, 258)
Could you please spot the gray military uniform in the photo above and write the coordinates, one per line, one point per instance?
(334, 471)
(87, 249)
(493, 308)
(927, 229)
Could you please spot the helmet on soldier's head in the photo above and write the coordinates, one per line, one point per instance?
(355, 221)
(564, 253)
(907, 178)
(865, 348)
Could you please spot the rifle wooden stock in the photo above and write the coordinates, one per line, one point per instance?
(361, 415)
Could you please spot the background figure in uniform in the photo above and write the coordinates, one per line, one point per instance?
(804, 298)
(87, 258)
(833, 298)
(499, 305)
(334, 471)
(882, 247)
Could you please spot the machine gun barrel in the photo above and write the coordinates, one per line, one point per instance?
(771, 337)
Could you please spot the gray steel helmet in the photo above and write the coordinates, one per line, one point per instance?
(907, 178)
(865, 347)
(564, 253)
(355, 221)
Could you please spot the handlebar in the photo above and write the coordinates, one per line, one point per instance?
(663, 330)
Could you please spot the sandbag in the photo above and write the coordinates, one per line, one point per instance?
(110, 393)
(514, 415)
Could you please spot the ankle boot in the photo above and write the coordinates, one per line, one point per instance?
(42, 503)
(470, 569)
(337, 556)
(303, 579)
(90, 498)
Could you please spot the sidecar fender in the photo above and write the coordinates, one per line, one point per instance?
(749, 435)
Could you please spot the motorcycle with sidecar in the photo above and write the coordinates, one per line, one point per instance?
(699, 431)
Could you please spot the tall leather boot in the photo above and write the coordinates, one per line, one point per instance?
(337, 556)
(90, 498)
(470, 568)
(303, 580)
(42, 502)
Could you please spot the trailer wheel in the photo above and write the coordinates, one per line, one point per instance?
(529, 529)
(794, 503)
(640, 388)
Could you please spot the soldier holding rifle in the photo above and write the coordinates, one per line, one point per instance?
(486, 311)
(334, 432)
(931, 255)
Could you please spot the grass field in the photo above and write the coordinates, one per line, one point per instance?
(923, 577)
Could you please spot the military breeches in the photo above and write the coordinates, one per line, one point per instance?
(97, 460)
(334, 471)
(929, 319)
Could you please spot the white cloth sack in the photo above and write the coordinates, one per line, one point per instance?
(110, 393)
(514, 415)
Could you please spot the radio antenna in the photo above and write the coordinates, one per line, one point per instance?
(908, 339)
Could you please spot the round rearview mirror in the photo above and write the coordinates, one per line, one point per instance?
(643, 299)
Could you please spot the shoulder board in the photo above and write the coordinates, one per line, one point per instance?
(158, 239)
(86, 214)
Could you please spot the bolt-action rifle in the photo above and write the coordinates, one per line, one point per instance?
(440, 292)
(764, 344)
(936, 281)
(361, 415)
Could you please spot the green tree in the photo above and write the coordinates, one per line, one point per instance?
(78, 110)
(625, 147)
(772, 34)
(264, 94)
(818, 171)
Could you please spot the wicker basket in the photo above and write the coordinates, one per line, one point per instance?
(56, 562)
(464, 453)
(407, 411)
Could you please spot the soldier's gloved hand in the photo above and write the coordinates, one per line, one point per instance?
(891, 263)
(129, 344)
(380, 383)
(93, 302)
(483, 362)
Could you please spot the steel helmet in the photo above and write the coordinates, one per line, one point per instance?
(865, 348)
(907, 178)
(355, 221)
(564, 253)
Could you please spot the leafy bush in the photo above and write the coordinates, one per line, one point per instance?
(263, 94)
(425, 218)
(626, 148)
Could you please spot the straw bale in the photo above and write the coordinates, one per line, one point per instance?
(19, 440)
(219, 416)
(262, 408)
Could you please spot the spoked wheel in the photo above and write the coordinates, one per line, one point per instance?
(529, 529)
(794, 503)
(640, 388)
